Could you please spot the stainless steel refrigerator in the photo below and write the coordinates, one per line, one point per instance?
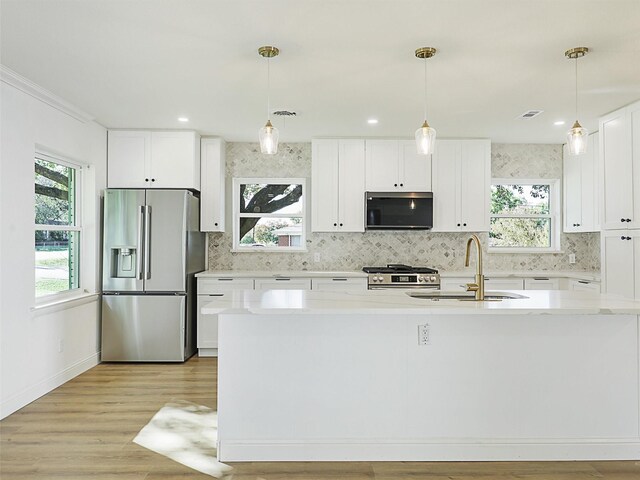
(152, 249)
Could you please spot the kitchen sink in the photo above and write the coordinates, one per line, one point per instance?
(465, 296)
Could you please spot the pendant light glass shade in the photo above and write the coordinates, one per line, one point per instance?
(577, 135)
(425, 135)
(268, 139)
(268, 135)
(425, 139)
(577, 139)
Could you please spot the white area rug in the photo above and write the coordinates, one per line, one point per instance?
(186, 433)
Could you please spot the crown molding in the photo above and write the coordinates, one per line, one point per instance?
(25, 85)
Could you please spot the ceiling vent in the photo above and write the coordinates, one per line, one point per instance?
(284, 113)
(530, 114)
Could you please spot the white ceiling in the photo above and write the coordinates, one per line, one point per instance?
(143, 63)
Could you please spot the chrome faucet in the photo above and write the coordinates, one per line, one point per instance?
(478, 285)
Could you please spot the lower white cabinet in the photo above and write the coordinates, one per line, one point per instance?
(207, 325)
(339, 284)
(283, 283)
(454, 284)
(621, 262)
(503, 283)
(584, 285)
(542, 283)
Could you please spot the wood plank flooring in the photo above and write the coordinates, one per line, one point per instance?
(84, 430)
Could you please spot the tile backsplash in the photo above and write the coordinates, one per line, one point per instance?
(352, 251)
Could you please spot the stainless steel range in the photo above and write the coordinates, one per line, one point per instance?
(402, 276)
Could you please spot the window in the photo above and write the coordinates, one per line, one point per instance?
(57, 225)
(269, 214)
(524, 215)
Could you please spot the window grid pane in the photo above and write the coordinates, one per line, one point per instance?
(57, 265)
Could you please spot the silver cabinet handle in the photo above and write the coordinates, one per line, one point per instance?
(147, 241)
(225, 279)
(140, 252)
(540, 278)
(339, 279)
(281, 279)
(584, 282)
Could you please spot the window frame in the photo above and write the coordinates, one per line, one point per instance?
(555, 209)
(44, 155)
(236, 246)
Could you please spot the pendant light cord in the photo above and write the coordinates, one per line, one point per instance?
(576, 88)
(425, 89)
(268, 89)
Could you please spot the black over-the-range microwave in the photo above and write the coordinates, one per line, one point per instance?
(399, 210)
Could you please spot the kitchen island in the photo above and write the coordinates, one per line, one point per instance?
(378, 375)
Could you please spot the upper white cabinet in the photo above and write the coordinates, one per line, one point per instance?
(395, 166)
(144, 159)
(337, 185)
(620, 157)
(461, 185)
(581, 189)
(621, 262)
(213, 185)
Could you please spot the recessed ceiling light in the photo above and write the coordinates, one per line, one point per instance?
(559, 122)
(372, 121)
(183, 119)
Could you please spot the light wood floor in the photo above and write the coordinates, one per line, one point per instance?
(85, 428)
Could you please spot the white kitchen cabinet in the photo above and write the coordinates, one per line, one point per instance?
(621, 262)
(620, 157)
(341, 284)
(541, 283)
(283, 283)
(212, 180)
(149, 159)
(581, 189)
(210, 289)
(584, 285)
(461, 185)
(337, 185)
(396, 166)
(497, 283)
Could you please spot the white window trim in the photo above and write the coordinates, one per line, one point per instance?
(554, 215)
(79, 292)
(236, 248)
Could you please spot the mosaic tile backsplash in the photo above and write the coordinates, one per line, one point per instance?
(352, 251)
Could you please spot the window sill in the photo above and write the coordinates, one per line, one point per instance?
(523, 250)
(58, 304)
(269, 250)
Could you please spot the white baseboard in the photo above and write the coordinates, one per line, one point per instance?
(207, 352)
(33, 392)
(540, 450)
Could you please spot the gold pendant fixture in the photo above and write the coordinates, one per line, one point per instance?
(577, 135)
(268, 134)
(425, 135)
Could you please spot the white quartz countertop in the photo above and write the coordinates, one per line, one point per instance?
(575, 274)
(552, 302)
(280, 273)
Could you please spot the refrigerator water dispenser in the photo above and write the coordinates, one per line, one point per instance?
(123, 262)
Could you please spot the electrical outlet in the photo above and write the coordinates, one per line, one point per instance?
(424, 334)
(316, 257)
(572, 258)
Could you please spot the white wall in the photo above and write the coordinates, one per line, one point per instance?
(30, 362)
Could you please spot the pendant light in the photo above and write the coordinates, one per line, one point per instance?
(577, 135)
(425, 135)
(268, 134)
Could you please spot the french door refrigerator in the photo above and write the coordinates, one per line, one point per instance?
(152, 249)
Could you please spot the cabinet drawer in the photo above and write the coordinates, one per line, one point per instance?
(541, 283)
(223, 284)
(339, 284)
(584, 285)
(283, 283)
(503, 283)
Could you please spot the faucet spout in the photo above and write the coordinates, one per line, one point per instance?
(478, 285)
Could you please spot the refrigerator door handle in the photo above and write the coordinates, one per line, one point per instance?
(147, 241)
(140, 254)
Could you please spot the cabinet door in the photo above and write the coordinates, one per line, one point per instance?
(618, 180)
(445, 166)
(207, 324)
(351, 172)
(212, 183)
(503, 283)
(634, 117)
(414, 169)
(618, 264)
(382, 166)
(541, 283)
(475, 178)
(341, 284)
(128, 158)
(283, 283)
(207, 285)
(590, 187)
(572, 181)
(325, 185)
(175, 160)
